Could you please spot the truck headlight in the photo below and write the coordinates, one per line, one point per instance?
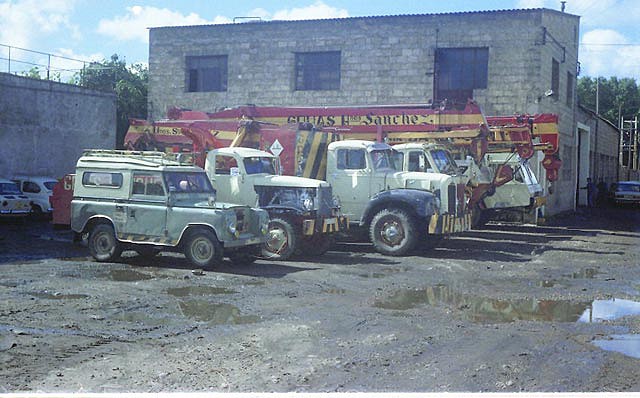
(437, 203)
(232, 224)
(307, 204)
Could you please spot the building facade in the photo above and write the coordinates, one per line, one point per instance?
(510, 61)
(46, 125)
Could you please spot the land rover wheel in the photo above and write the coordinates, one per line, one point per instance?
(281, 241)
(203, 249)
(103, 244)
(392, 232)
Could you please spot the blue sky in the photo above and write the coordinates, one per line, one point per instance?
(93, 30)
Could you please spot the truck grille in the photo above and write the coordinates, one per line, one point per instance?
(451, 198)
(461, 199)
(325, 201)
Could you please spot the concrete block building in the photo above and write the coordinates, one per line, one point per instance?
(509, 61)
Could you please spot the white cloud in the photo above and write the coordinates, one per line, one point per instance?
(606, 52)
(317, 10)
(530, 4)
(133, 25)
(23, 22)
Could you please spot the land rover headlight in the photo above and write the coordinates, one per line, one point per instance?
(232, 224)
(336, 202)
(264, 225)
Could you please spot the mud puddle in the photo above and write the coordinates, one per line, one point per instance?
(126, 275)
(490, 310)
(215, 314)
(58, 296)
(609, 310)
(198, 291)
(626, 344)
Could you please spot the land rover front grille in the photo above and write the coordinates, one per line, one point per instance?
(243, 220)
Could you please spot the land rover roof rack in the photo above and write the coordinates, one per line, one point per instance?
(155, 157)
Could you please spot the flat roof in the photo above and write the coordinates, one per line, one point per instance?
(373, 17)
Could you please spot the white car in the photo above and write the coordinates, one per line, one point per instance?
(12, 202)
(38, 190)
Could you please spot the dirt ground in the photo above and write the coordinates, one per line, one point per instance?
(504, 309)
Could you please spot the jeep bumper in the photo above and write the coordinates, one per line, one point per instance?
(242, 241)
(448, 224)
(325, 225)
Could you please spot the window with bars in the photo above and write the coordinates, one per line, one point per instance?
(459, 71)
(207, 73)
(317, 70)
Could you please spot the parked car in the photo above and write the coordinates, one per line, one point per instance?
(625, 192)
(12, 202)
(38, 190)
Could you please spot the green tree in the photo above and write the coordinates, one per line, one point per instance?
(617, 97)
(129, 83)
(33, 73)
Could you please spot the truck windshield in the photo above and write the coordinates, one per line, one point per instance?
(260, 164)
(193, 182)
(383, 159)
(444, 162)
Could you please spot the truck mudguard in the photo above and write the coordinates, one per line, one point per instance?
(420, 203)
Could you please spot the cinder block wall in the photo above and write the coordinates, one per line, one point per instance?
(385, 60)
(44, 125)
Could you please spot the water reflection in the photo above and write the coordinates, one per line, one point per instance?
(486, 310)
(627, 344)
(607, 310)
(491, 310)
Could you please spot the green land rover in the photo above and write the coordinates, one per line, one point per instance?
(152, 202)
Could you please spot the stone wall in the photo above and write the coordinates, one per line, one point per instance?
(44, 125)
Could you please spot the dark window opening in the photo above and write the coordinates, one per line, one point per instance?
(318, 70)
(569, 89)
(459, 71)
(207, 73)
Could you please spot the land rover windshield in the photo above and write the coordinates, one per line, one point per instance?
(193, 182)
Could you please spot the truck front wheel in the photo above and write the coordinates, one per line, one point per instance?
(203, 249)
(103, 244)
(392, 232)
(282, 240)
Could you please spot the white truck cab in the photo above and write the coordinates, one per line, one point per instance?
(397, 206)
(304, 216)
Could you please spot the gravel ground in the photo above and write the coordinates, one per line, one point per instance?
(508, 308)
